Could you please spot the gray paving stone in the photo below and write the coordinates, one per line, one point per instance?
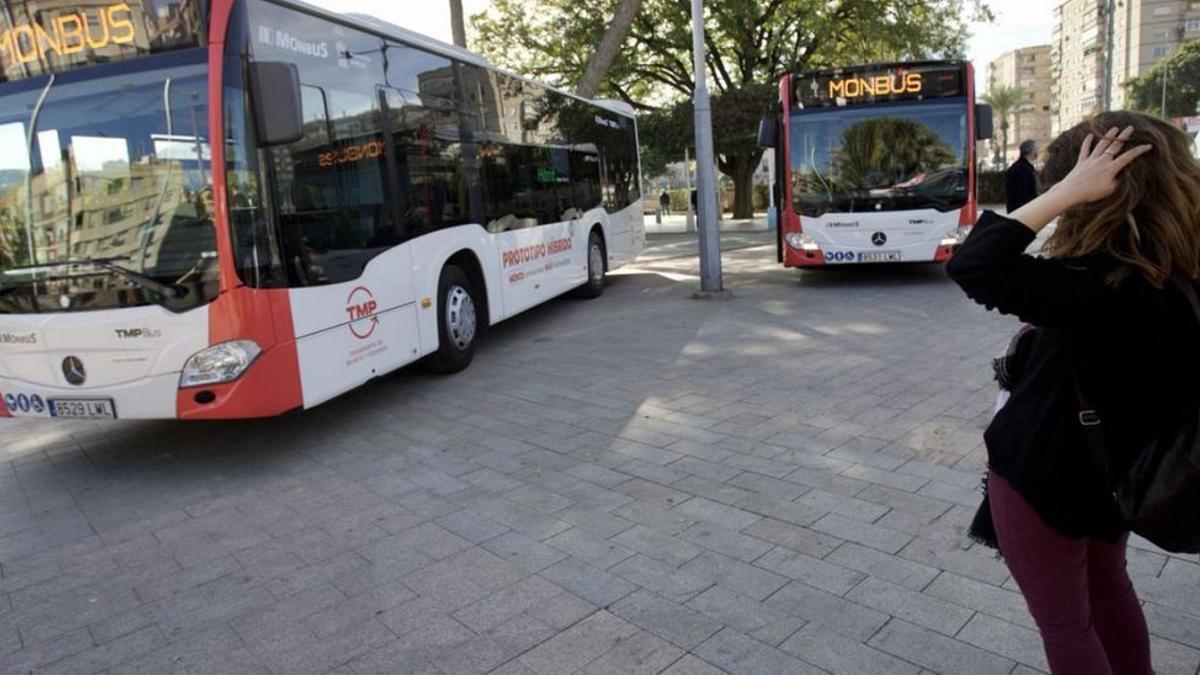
(642, 654)
(690, 665)
(112, 653)
(667, 581)
(590, 583)
(841, 655)
(802, 539)
(935, 651)
(992, 600)
(562, 611)
(770, 507)
(812, 571)
(744, 578)
(358, 609)
(652, 493)
(913, 606)
(532, 555)
(666, 619)
(664, 520)
(1010, 640)
(596, 550)
(506, 603)
(842, 505)
(657, 545)
(709, 511)
(1172, 657)
(735, 610)
(883, 566)
(974, 562)
(471, 526)
(579, 645)
(825, 609)
(770, 487)
(737, 653)
(727, 542)
(873, 536)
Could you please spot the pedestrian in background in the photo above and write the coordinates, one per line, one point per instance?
(1020, 181)
(1112, 327)
(664, 203)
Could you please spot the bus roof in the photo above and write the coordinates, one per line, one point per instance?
(861, 67)
(387, 29)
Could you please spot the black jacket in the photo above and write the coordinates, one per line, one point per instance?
(1135, 351)
(1020, 184)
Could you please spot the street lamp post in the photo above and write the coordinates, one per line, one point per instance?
(1166, 71)
(706, 195)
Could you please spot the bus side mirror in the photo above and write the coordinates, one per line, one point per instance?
(275, 94)
(984, 126)
(768, 132)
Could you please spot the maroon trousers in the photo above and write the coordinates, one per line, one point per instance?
(1077, 591)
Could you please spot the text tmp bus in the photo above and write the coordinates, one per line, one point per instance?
(876, 163)
(243, 207)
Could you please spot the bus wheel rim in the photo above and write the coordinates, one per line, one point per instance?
(460, 317)
(595, 263)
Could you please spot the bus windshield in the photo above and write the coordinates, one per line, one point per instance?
(879, 158)
(106, 188)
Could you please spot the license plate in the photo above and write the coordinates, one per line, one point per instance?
(82, 408)
(879, 256)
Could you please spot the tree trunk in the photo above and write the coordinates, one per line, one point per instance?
(457, 27)
(740, 168)
(606, 52)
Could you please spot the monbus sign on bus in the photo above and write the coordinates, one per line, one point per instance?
(369, 203)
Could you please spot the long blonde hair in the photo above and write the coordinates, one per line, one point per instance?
(1151, 222)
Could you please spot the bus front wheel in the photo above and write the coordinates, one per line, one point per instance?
(457, 321)
(595, 259)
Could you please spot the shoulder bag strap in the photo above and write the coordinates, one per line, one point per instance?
(1089, 421)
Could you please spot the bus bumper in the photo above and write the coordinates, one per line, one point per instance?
(269, 387)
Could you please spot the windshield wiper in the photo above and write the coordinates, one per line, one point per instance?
(173, 291)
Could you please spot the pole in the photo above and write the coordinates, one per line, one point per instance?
(1166, 70)
(457, 26)
(690, 223)
(706, 196)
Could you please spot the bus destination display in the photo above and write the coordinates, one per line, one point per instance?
(825, 88)
(49, 36)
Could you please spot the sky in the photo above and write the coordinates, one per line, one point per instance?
(1019, 23)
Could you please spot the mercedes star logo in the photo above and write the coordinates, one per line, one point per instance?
(879, 239)
(73, 370)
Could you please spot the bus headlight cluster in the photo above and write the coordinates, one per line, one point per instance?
(219, 363)
(956, 236)
(801, 241)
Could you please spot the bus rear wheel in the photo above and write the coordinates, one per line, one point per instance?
(458, 325)
(595, 258)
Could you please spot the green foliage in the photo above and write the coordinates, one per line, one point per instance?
(750, 44)
(1183, 84)
(874, 152)
(1004, 100)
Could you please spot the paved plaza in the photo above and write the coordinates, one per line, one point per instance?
(644, 483)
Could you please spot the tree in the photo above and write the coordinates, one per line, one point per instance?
(1004, 100)
(607, 50)
(1183, 84)
(750, 43)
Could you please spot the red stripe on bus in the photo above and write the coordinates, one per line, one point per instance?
(272, 384)
(4, 407)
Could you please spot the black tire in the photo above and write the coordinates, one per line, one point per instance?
(594, 286)
(458, 328)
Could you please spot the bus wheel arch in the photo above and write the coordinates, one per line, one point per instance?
(462, 311)
(597, 263)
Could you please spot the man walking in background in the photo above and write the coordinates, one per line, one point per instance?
(664, 202)
(1020, 182)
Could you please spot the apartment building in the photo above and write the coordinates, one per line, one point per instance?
(1029, 69)
(1077, 61)
(1137, 33)
(1144, 33)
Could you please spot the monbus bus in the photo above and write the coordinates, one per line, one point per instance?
(236, 208)
(875, 163)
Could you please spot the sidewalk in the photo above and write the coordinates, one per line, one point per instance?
(677, 223)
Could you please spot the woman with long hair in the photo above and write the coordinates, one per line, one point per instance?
(1110, 322)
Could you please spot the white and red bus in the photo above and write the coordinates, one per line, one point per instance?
(875, 163)
(236, 208)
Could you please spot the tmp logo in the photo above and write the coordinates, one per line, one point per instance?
(360, 307)
(131, 333)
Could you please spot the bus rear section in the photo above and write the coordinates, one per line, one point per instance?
(875, 164)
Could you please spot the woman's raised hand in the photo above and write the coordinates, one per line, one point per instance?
(1095, 174)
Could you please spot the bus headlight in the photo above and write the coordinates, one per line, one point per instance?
(801, 241)
(956, 236)
(219, 363)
